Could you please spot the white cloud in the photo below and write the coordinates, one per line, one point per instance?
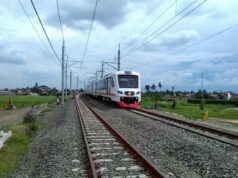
(185, 74)
(119, 22)
(179, 39)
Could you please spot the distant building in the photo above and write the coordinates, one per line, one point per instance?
(33, 94)
(21, 92)
(44, 88)
(45, 93)
(190, 96)
(235, 96)
(214, 95)
(168, 97)
(6, 93)
(226, 95)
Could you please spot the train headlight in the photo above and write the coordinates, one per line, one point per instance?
(120, 92)
(138, 92)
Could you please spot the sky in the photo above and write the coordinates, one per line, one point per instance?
(167, 41)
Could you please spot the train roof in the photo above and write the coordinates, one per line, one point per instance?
(123, 72)
(117, 73)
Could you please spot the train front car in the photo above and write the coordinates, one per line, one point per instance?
(128, 90)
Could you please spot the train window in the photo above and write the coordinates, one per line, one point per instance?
(101, 85)
(112, 82)
(128, 81)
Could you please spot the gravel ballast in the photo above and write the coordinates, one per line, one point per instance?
(176, 152)
(59, 150)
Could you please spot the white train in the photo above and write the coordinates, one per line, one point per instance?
(122, 87)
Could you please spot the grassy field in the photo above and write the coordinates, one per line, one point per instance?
(13, 149)
(193, 111)
(26, 101)
(17, 145)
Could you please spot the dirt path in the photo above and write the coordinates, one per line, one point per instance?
(12, 116)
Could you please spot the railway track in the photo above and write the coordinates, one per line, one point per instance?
(178, 151)
(109, 153)
(210, 132)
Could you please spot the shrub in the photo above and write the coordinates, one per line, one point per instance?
(212, 101)
(29, 118)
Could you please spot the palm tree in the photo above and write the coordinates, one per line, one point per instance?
(160, 85)
(147, 88)
(153, 87)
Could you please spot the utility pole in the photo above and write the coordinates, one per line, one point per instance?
(70, 83)
(77, 83)
(202, 102)
(102, 69)
(66, 75)
(84, 84)
(62, 87)
(96, 78)
(66, 71)
(119, 58)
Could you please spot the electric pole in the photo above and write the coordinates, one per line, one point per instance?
(202, 102)
(62, 87)
(70, 84)
(96, 78)
(119, 58)
(66, 71)
(77, 83)
(84, 84)
(102, 69)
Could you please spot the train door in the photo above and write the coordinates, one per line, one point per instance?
(108, 86)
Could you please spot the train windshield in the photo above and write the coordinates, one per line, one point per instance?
(128, 81)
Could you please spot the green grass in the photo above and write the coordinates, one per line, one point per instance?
(17, 145)
(193, 111)
(25, 101)
(13, 149)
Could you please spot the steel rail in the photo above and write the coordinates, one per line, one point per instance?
(215, 131)
(146, 163)
(92, 165)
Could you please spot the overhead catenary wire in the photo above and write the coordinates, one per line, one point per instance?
(44, 30)
(33, 26)
(190, 46)
(153, 22)
(142, 21)
(145, 42)
(60, 20)
(90, 29)
(167, 22)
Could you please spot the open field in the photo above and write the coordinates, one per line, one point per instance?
(193, 111)
(25, 101)
(17, 145)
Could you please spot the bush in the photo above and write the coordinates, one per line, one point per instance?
(29, 118)
(212, 101)
(31, 128)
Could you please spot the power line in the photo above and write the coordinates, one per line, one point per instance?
(44, 30)
(60, 20)
(143, 43)
(89, 33)
(34, 27)
(155, 20)
(142, 21)
(192, 45)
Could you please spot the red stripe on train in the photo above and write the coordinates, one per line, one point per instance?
(128, 105)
